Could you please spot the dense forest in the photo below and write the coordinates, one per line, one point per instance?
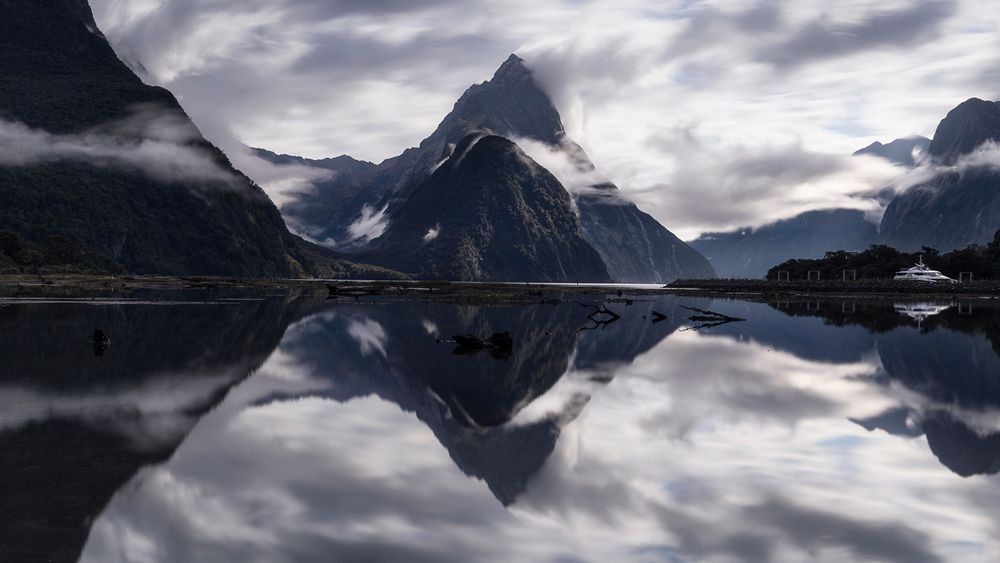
(881, 261)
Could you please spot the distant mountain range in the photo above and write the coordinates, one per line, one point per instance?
(426, 211)
(751, 252)
(904, 152)
(101, 173)
(959, 206)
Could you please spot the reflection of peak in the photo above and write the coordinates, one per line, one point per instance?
(898, 422)
(960, 448)
(472, 403)
(90, 424)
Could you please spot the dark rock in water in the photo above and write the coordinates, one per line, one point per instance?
(500, 345)
(960, 206)
(101, 342)
(489, 213)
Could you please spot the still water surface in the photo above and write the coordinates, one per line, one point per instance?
(285, 429)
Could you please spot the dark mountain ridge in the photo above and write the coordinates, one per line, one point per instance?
(960, 206)
(749, 253)
(489, 212)
(61, 85)
(899, 151)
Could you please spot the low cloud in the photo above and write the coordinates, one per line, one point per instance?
(369, 79)
(282, 182)
(923, 176)
(370, 225)
(157, 141)
(732, 186)
(570, 165)
(432, 234)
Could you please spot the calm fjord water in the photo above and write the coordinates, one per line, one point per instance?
(284, 429)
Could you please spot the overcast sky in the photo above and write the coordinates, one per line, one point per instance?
(710, 114)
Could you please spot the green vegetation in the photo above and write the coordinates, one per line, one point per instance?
(78, 215)
(881, 261)
(62, 255)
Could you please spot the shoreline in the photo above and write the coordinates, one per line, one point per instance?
(499, 292)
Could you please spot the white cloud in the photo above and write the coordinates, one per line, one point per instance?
(157, 141)
(432, 234)
(746, 186)
(369, 79)
(370, 224)
(755, 449)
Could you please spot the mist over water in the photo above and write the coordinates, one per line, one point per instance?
(289, 428)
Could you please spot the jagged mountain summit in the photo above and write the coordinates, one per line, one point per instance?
(356, 207)
(960, 206)
(101, 172)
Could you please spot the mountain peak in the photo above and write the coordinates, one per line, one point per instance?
(899, 151)
(513, 70)
(965, 128)
(511, 104)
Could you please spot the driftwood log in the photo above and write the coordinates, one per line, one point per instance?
(709, 319)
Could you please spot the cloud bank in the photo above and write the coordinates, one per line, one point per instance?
(159, 142)
(759, 80)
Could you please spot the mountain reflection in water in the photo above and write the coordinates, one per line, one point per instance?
(815, 430)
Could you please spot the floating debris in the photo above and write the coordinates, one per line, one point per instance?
(709, 319)
(101, 342)
(500, 345)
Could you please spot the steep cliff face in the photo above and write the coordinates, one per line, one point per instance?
(633, 245)
(489, 213)
(960, 206)
(111, 171)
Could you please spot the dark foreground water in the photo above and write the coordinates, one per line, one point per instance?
(288, 429)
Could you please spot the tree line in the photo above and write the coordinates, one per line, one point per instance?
(881, 261)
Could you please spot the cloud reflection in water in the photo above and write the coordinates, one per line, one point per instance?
(706, 446)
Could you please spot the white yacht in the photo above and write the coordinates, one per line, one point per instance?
(920, 272)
